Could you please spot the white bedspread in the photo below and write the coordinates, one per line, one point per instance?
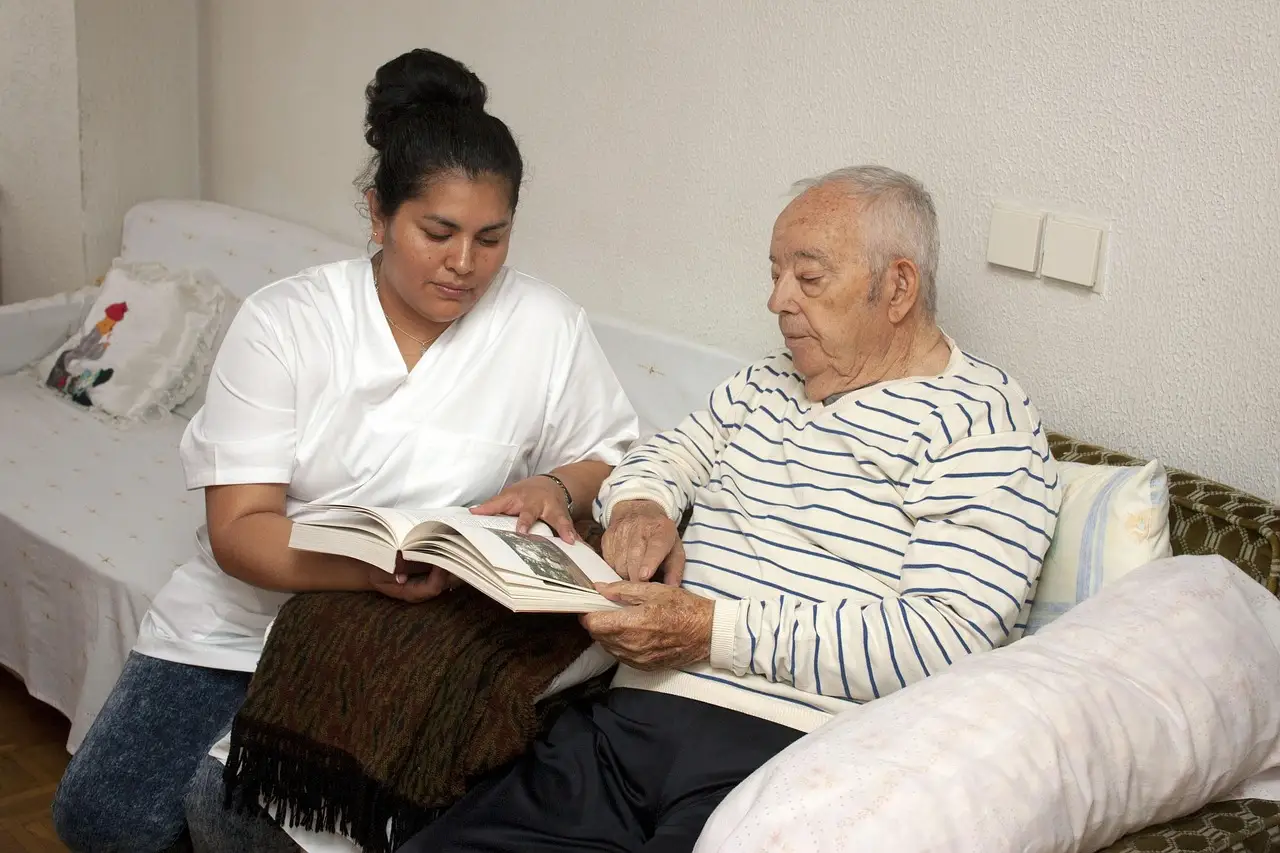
(97, 526)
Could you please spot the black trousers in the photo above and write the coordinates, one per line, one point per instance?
(636, 771)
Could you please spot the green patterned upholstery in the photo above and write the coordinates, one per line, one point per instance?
(1206, 518)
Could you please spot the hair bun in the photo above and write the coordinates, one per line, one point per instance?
(413, 83)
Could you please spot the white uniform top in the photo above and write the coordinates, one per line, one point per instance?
(309, 389)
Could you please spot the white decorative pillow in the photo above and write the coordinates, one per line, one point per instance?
(1144, 703)
(144, 345)
(1112, 520)
(195, 402)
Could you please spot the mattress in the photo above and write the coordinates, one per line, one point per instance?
(93, 521)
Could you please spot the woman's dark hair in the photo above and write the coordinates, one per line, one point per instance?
(425, 118)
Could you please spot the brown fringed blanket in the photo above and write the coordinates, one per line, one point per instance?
(366, 711)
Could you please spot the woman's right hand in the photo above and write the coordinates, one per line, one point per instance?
(413, 583)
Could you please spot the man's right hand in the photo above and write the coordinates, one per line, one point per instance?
(640, 539)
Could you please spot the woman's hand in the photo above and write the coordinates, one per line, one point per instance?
(534, 499)
(412, 583)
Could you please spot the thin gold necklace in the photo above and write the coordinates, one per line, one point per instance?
(425, 345)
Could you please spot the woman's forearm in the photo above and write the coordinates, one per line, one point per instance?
(255, 549)
(583, 480)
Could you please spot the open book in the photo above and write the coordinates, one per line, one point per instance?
(534, 572)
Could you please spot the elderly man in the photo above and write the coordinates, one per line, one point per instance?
(867, 507)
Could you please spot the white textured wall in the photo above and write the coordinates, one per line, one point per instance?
(662, 135)
(138, 112)
(40, 209)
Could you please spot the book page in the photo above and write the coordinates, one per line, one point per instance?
(548, 558)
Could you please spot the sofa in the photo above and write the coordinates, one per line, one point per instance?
(94, 517)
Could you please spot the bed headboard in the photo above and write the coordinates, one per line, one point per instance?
(244, 250)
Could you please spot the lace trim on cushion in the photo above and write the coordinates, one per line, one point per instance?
(215, 298)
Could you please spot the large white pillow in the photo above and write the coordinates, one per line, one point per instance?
(144, 345)
(1152, 698)
(1112, 520)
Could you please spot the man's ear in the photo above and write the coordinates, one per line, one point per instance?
(902, 284)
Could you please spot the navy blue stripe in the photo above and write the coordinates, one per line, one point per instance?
(751, 662)
(794, 630)
(1008, 410)
(974, 475)
(945, 431)
(822, 555)
(910, 605)
(826, 580)
(703, 427)
(693, 561)
(837, 416)
(1001, 487)
(811, 529)
(885, 412)
(795, 376)
(973, 551)
(1004, 448)
(935, 590)
(866, 651)
(907, 398)
(802, 485)
(741, 686)
(893, 655)
(782, 604)
(844, 673)
(866, 428)
(1003, 376)
(906, 623)
(810, 506)
(692, 444)
(991, 424)
(720, 593)
(955, 631)
(1037, 558)
(948, 569)
(817, 649)
(839, 474)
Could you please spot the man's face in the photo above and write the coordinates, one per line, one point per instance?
(822, 290)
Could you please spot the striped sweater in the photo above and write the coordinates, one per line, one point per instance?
(854, 547)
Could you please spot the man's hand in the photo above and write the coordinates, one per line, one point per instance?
(640, 538)
(532, 499)
(664, 628)
(413, 584)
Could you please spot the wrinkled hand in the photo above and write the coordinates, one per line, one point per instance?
(663, 628)
(534, 499)
(640, 539)
(412, 582)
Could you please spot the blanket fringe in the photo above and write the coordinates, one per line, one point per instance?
(321, 789)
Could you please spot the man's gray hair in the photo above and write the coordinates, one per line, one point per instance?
(897, 220)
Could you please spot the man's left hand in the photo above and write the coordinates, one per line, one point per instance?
(663, 627)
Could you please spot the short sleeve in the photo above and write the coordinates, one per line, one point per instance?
(247, 431)
(589, 416)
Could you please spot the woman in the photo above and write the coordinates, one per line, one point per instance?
(429, 376)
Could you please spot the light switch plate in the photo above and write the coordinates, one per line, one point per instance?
(1072, 251)
(1014, 238)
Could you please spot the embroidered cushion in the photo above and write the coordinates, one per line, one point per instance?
(144, 345)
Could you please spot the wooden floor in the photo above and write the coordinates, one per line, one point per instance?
(32, 757)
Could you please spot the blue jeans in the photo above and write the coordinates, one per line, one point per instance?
(126, 788)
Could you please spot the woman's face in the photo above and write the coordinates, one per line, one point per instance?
(442, 249)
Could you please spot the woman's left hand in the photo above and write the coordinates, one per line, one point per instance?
(534, 499)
